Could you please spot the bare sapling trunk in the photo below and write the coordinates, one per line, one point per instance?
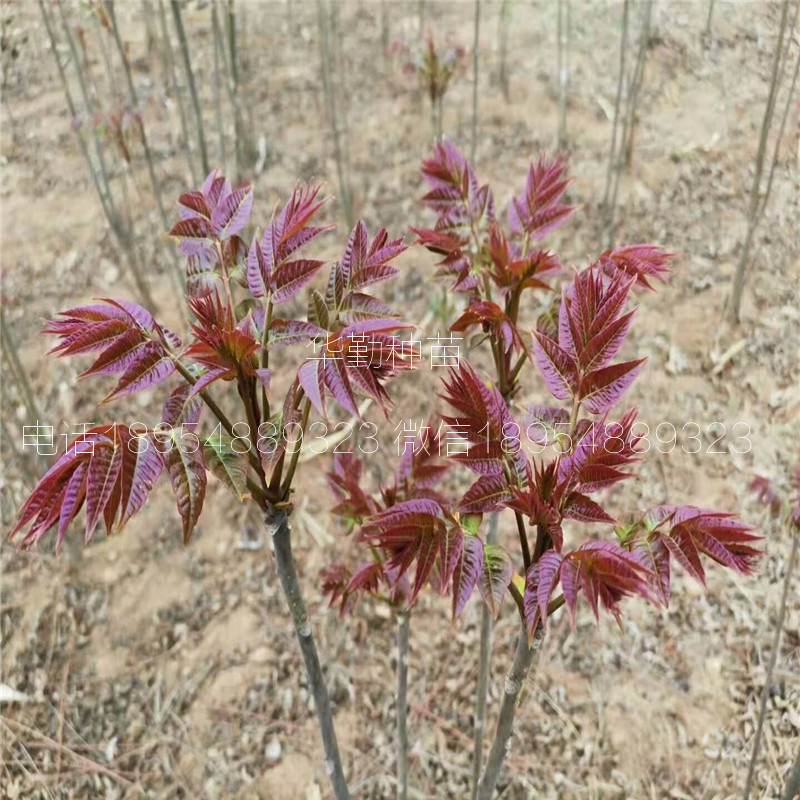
(340, 79)
(773, 659)
(233, 63)
(175, 87)
(150, 37)
(134, 98)
(187, 64)
(629, 127)
(421, 17)
(278, 525)
(624, 155)
(475, 42)
(327, 62)
(385, 28)
(100, 175)
(218, 83)
(234, 53)
(176, 274)
(607, 211)
(176, 271)
(564, 26)
(484, 664)
(756, 205)
(792, 787)
(402, 704)
(709, 18)
(502, 46)
(524, 658)
(241, 46)
(9, 349)
(87, 101)
(233, 96)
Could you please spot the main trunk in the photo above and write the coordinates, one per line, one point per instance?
(515, 681)
(278, 525)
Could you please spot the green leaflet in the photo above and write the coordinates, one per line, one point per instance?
(225, 463)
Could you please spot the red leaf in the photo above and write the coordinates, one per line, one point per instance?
(601, 389)
(558, 369)
(258, 271)
(488, 493)
(231, 215)
(104, 467)
(537, 210)
(187, 475)
(151, 367)
(291, 277)
(643, 261)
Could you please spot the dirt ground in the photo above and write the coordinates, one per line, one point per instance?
(157, 670)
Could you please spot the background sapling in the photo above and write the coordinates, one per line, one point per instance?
(435, 68)
(786, 511)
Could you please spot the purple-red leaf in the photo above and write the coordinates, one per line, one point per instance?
(187, 475)
(602, 388)
(231, 215)
(558, 368)
(291, 277)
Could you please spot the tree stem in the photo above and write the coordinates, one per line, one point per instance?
(773, 658)
(612, 156)
(173, 76)
(402, 704)
(278, 525)
(10, 349)
(523, 541)
(515, 681)
(484, 660)
(475, 42)
(792, 788)
(766, 124)
(187, 63)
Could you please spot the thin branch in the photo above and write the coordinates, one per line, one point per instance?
(475, 42)
(502, 46)
(327, 59)
(9, 347)
(518, 599)
(523, 540)
(402, 704)
(738, 280)
(177, 272)
(124, 239)
(218, 82)
(773, 659)
(137, 109)
(564, 30)
(187, 63)
(484, 661)
(792, 788)
(612, 156)
(176, 88)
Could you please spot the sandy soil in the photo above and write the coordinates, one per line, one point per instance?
(162, 671)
